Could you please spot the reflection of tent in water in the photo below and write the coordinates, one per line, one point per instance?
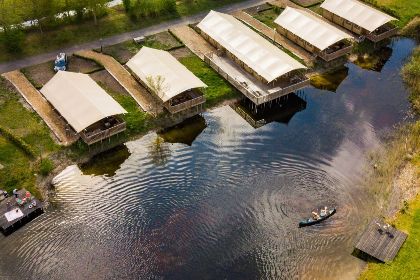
(106, 163)
(185, 132)
(282, 111)
(374, 60)
(330, 80)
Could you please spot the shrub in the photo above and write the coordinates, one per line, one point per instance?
(45, 167)
(17, 141)
(153, 8)
(13, 40)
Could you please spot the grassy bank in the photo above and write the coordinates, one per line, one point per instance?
(115, 21)
(411, 75)
(25, 128)
(402, 153)
(406, 265)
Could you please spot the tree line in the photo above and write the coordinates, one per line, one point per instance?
(47, 14)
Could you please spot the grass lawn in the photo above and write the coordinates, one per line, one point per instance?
(406, 265)
(122, 52)
(268, 16)
(115, 22)
(19, 168)
(218, 88)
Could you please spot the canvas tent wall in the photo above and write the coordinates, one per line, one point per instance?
(357, 13)
(256, 53)
(79, 99)
(175, 78)
(311, 29)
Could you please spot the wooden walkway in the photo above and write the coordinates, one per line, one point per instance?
(380, 244)
(197, 44)
(273, 35)
(28, 213)
(58, 125)
(138, 92)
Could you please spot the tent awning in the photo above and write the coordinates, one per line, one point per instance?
(310, 28)
(79, 99)
(356, 12)
(261, 56)
(152, 65)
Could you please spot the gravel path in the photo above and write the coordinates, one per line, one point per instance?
(138, 92)
(42, 107)
(197, 44)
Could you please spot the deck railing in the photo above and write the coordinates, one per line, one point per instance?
(336, 54)
(185, 105)
(257, 97)
(378, 37)
(103, 134)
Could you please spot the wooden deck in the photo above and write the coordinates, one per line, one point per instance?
(380, 244)
(28, 213)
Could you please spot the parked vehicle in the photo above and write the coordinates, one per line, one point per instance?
(61, 62)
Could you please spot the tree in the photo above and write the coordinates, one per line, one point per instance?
(11, 34)
(42, 11)
(95, 6)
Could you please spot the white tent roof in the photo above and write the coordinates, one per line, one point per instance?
(256, 52)
(310, 28)
(358, 13)
(79, 99)
(175, 76)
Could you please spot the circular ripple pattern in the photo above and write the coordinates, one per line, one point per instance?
(226, 207)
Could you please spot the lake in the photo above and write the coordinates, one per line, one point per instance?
(224, 202)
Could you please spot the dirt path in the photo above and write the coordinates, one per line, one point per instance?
(270, 33)
(193, 40)
(139, 93)
(42, 107)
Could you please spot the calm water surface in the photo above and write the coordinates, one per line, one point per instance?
(227, 206)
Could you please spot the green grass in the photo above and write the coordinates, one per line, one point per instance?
(406, 265)
(19, 167)
(114, 22)
(411, 75)
(218, 89)
(268, 16)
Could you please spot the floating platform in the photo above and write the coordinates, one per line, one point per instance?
(23, 215)
(382, 244)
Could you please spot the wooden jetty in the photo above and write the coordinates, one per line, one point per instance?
(29, 213)
(382, 244)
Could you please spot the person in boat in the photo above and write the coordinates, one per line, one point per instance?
(324, 211)
(315, 215)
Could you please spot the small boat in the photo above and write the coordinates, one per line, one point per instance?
(311, 221)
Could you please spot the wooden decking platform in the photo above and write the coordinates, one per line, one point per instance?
(28, 213)
(381, 244)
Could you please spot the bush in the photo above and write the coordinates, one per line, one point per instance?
(153, 8)
(13, 39)
(45, 167)
(17, 141)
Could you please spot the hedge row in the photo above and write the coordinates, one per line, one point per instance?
(17, 141)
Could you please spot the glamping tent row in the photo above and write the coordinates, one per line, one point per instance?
(94, 115)
(313, 34)
(267, 63)
(85, 106)
(359, 18)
